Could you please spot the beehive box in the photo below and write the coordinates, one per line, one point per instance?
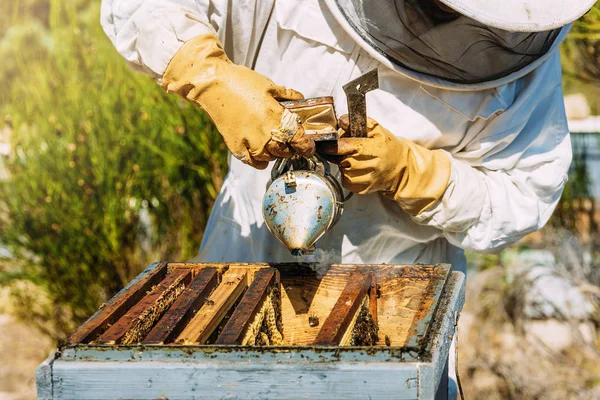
(264, 331)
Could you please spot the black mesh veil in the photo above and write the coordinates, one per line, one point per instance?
(416, 35)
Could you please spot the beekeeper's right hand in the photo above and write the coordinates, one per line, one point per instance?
(243, 104)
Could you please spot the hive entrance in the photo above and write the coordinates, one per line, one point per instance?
(270, 305)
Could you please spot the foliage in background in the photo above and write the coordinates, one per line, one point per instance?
(505, 355)
(581, 58)
(108, 173)
(582, 47)
(577, 212)
(581, 73)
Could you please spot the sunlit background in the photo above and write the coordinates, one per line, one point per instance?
(101, 173)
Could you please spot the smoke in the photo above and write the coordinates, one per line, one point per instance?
(320, 260)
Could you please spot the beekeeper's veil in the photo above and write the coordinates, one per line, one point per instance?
(483, 41)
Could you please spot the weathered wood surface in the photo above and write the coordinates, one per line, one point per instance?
(442, 389)
(43, 378)
(402, 314)
(88, 372)
(401, 290)
(119, 305)
(137, 322)
(335, 328)
(176, 380)
(373, 296)
(251, 302)
(441, 334)
(420, 325)
(304, 295)
(250, 268)
(203, 324)
(184, 308)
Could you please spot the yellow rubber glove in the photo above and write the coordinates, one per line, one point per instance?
(243, 104)
(415, 177)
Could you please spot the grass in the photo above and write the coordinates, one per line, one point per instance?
(108, 173)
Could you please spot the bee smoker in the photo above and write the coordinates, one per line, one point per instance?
(302, 203)
(303, 200)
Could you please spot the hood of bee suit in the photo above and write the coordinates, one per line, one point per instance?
(451, 47)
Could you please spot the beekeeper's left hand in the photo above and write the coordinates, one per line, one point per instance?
(412, 175)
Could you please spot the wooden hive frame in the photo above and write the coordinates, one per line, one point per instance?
(358, 296)
(260, 307)
(184, 308)
(417, 311)
(273, 305)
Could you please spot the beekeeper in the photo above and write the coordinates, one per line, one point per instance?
(468, 144)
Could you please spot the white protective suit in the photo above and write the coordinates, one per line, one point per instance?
(507, 140)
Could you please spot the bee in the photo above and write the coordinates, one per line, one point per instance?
(388, 342)
(313, 320)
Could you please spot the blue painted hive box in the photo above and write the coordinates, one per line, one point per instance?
(248, 331)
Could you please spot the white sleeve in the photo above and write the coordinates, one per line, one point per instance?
(507, 181)
(148, 33)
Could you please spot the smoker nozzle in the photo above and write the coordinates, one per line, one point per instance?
(303, 252)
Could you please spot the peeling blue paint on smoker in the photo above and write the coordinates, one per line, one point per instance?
(299, 214)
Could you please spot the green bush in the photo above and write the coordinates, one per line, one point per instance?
(581, 50)
(97, 150)
(581, 58)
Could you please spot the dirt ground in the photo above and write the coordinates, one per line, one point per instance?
(22, 348)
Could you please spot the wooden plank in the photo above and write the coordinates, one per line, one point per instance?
(138, 321)
(441, 334)
(438, 275)
(88, 372)
(441, 393)
(43, 378)
(119, 304)
(242, 380)
(306, 297)
(373, 296)
(397, 305)
(249, 306)
(235, 354)
(251, 268)
(184, 308)
(304, 294)
(347, 336)
(202, 325)
(345, 309)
